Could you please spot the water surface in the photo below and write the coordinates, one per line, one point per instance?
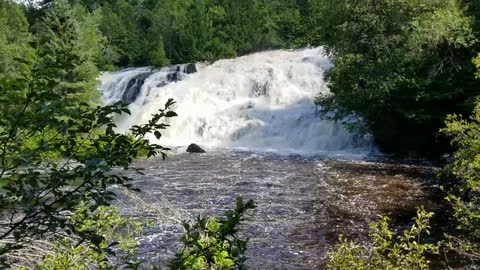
(304, 203)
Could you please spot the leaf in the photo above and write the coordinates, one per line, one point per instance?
(4, 182)
(169, 103)
(171, 114)
(127, 111)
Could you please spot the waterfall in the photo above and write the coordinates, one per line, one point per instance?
(262, 101)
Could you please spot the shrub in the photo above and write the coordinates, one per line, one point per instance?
(212, 243)
(465, 194)
(387, 250)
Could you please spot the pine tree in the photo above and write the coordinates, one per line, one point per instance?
(68, 48)
(16, 57)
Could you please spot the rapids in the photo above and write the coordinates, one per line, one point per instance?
(303, 203)
(263, 101)
(311, 179)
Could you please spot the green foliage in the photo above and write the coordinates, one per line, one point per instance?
(476, 61)
(245, 26)
(57, 150)
(200, 37)
(159, 56)
(400, 66)
(387, 250)
(14, 39)
(159, 32)
(466, 163)
(68, 48)
(16, 56)
(214, 244)
(38, 194)
(67, 255)
(294, 24)
(116, 232)
(464, 196)
(54, 150)
(107, 222)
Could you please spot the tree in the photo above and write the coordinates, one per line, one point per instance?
(55, 150)
(39, 194)
(16, 57)
(476, 61)
(399, 66)
(68, 50)
(202, 32)
(245, 26)
(14, 39)
(156, 33)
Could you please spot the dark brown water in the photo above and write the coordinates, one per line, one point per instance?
(303, 203)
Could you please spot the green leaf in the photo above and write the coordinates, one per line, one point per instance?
(4, 182)
(171, 114)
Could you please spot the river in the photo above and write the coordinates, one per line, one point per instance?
(303, 204)
(311, 179)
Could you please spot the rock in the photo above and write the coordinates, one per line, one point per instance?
(194, 148)
(173, 77)
(134, 87)
(162, 84)
(190, 68)
(260, 89)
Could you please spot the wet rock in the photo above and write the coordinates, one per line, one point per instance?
(190, 68)
(162, 84)
(259, 89)
(308, 59)
(173, 77)
(194, 148)
(134, 87)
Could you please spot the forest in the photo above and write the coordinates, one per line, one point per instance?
(405, 71)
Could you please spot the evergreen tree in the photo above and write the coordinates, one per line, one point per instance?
(201, 32)
(16, 57)
(157, 33)
(68, 48)
(14, 38)
(245, 26)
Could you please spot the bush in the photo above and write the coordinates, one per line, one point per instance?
(116, 234)
(465, 194)
(400, 67)
(387, 250)
(212, 243)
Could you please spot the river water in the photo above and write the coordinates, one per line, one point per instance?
(311, 179)
(303, 203)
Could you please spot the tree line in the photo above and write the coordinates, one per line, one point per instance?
(140, 33)
(400, 67)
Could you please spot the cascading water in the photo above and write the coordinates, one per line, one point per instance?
(260, 101)
(126, 85)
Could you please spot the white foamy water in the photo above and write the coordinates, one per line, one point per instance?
(263, 101)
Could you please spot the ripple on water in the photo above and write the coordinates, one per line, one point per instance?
(303, 204)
